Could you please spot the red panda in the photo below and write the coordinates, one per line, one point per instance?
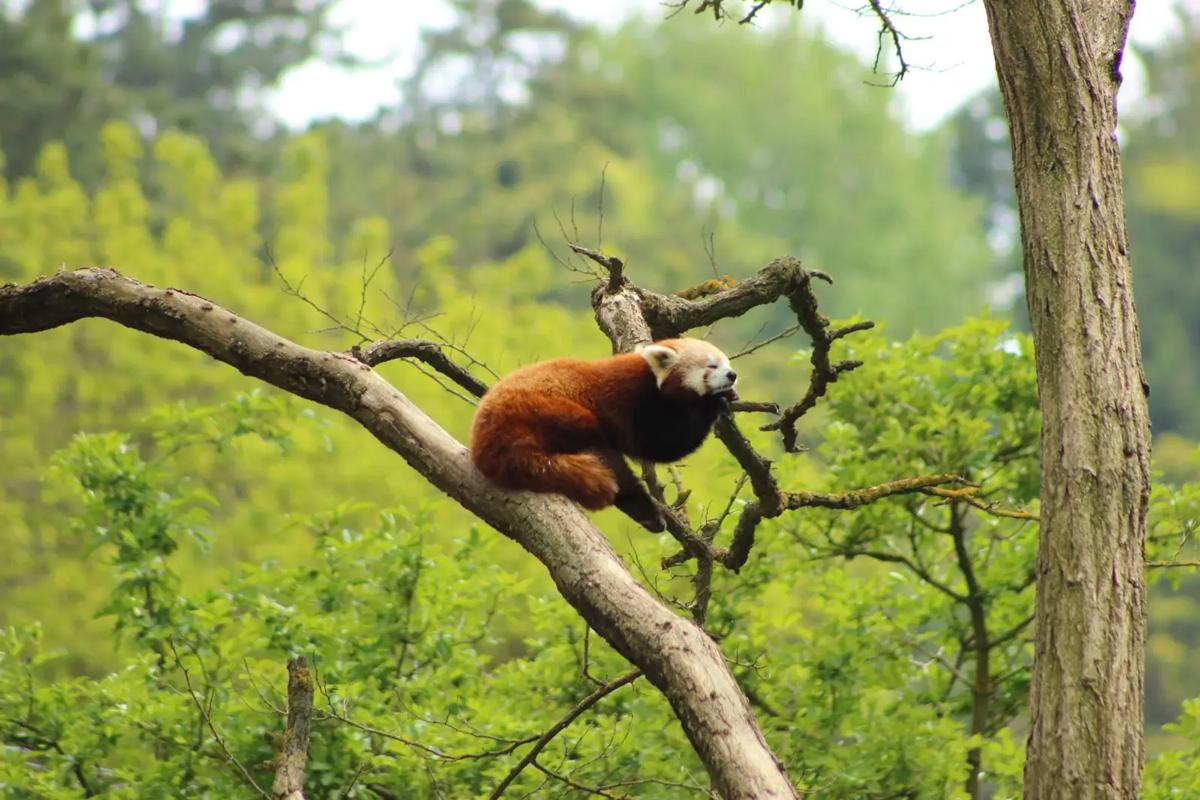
(566, 425)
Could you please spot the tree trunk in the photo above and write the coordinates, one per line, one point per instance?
(1058, 63)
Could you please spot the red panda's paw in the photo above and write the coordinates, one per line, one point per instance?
(585, 479)
(637, 505)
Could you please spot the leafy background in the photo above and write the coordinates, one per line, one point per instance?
(170, 526)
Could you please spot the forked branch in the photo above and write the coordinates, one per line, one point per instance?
(629, 314)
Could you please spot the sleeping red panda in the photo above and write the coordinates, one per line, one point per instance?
(565, 425)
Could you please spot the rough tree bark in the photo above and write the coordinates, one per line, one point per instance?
(293, 753)
(675, 654)
(1058, 63)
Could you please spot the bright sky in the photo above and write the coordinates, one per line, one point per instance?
(950, 52)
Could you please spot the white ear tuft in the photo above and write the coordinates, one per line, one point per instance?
(660, 359)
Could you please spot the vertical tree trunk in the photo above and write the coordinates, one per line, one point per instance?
(1058, 65)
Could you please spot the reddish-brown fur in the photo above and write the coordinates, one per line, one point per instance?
(563, 426)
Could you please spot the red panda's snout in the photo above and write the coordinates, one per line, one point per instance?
(722, 381)
(708, 373)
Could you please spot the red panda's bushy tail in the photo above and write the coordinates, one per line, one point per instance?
(583, 477)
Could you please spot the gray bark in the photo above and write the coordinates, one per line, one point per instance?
(1058, 63)
(293, 754)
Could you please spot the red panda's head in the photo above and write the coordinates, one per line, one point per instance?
(690, 365)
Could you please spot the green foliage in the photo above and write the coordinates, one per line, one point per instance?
(860, 631)
(1173, 774)
(1173, 628)
(202, 233)
(844, 660)
(413, 680)
(856, 634)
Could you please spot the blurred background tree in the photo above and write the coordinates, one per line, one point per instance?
(1163, 176)
(69, 65)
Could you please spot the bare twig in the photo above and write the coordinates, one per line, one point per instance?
(422, 350)
(753, 12)
(570, 266)
(362, 767)
(375, 353)
(365, 284)
(261, 695)
(757, 467)
(612, 264)
(587, 638)
(439, 755)
(710, 250)
(967, 495)
(733, 496)
(887, 29)
(545, 739)
(759, 345)
(603, 790)
(693, 544)
(913, 565)
(1016, 630)
(774, 505)
(717, 7)
(594, 791)
(202, 708)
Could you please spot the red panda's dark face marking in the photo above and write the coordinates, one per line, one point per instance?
(690, 365)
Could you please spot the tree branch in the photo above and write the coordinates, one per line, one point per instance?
(757, 511)
(967, 494)
(423, 350)
(674, 653)
(669, 315)
(861, 497)
(888, 29)
(545, 739)
(630, 315)
(293, 755)
(200, 706)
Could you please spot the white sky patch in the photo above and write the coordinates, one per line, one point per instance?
(949, 52)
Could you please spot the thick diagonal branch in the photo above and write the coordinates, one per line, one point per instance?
(675, 654)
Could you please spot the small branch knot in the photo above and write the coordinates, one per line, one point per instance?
(614, 265)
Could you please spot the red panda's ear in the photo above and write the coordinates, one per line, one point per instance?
(660, 359)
